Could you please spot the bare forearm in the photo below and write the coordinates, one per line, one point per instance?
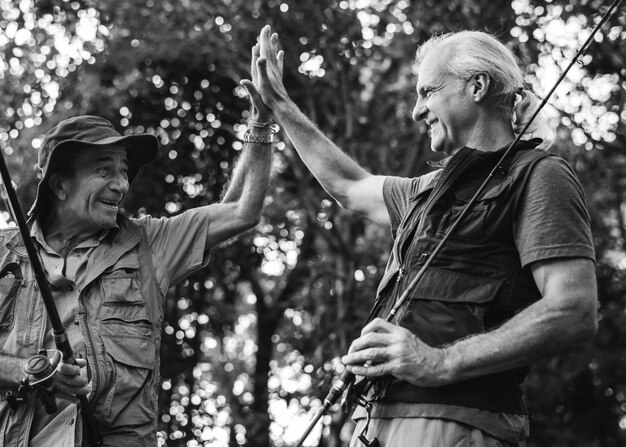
(537, 332)
(331, 167)
(248, 186)
(10, 370)
(237, 182)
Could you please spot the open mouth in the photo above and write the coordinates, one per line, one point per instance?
(430, 125)
(110, 203)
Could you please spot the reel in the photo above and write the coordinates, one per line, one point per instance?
(39, 381)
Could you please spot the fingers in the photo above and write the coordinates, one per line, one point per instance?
(260, 110)
(71, 370)
(264, 41)
(273, 48)
(253, 64)
(253, 93)
(72, 379)
(267, 73)
(371, 362)
(279, 58)
(380, 325)
(370, 370)
(368, 355)
(268, 45)
(374, 352)
(371, 340)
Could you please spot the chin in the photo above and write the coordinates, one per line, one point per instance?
(108, 223)
(437, 147)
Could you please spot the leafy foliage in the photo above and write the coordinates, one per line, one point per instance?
(252, 342)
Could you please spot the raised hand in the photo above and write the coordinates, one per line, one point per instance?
(386, 349)
(270, 69)
(259, 111)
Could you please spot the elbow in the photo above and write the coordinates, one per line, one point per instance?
(252, 222)
(246, 219)
(590, 323)
(243, 215)
(586, 324)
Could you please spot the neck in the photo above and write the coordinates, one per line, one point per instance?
(488, 133)
(61, 236)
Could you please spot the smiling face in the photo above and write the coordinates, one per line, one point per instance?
(445, 103)
(88, 201)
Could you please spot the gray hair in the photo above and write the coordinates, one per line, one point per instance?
(472, 52)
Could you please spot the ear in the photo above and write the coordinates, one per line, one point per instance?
(58, 186)
(479, 86)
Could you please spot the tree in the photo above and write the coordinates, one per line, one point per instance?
(252, 342)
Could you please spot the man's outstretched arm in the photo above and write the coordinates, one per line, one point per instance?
(241, 205)
(348, 183)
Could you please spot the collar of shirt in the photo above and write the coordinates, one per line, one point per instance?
(66, 273)
(90, 242)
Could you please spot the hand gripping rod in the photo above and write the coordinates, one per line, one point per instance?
(58, 331)
(347, 377)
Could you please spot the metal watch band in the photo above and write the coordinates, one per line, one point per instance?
(262, 138)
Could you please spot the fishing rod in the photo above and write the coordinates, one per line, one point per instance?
(38, 366)
(347, 378)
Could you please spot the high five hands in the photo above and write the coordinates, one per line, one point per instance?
(266, 88)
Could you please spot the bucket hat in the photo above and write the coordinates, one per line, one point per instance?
(79, 132)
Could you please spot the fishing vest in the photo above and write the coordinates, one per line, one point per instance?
(120, 316)
(475, 283)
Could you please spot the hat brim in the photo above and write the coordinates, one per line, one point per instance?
(141, 149)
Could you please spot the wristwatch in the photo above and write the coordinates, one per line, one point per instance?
(257, 137)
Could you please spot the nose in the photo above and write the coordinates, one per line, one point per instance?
(419, 111)
(119, 183)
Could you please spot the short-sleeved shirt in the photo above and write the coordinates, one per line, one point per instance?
(552, 222)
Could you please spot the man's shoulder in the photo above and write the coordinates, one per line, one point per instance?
(539, 161)
(8, 233)
(9, 236)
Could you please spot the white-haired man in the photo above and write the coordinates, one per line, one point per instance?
(514, 283)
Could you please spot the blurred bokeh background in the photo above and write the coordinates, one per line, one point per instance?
(251, 343)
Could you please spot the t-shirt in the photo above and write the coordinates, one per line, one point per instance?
(552, 222)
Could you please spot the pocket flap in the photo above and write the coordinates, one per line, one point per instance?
(130, 343)
(126, 267)
(494, 189)
(439, 284)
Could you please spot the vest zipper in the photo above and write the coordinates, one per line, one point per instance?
(400, 274)
(30, 409)
(89, 346)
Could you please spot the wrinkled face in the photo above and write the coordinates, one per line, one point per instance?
(89, 200)
(444, 102)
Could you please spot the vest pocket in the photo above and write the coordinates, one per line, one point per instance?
(475, 226)
(448, 305)
(122, 297)
(10, 281)
(129, 342)
(131, 348)
(120, 284)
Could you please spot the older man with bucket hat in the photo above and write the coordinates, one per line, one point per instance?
(109, 275)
